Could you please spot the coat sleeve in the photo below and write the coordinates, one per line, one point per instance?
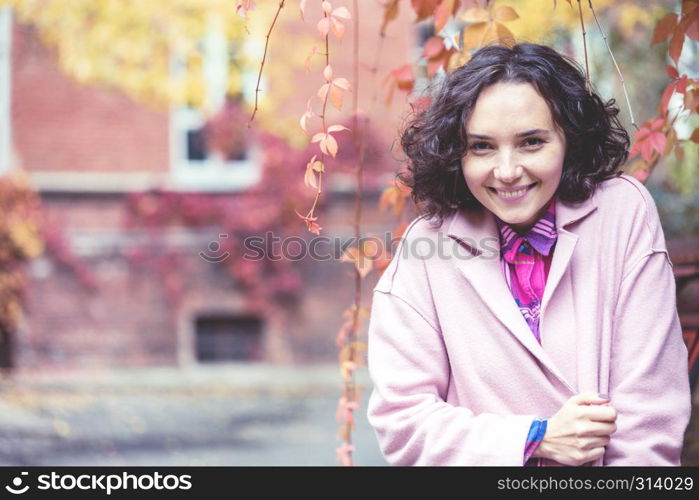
(410, 371)
(649, 384)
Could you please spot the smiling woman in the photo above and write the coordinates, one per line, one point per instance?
(562, 347)
(515, 170)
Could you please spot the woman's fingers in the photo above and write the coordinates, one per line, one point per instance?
(600, 429)
(599, 413)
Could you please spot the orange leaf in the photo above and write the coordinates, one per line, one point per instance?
(390, 13)
(329, 145)
(404, 77)
(664, 28)
(309, 178)
(424, 8)
(442, 14)
(336, 97)
(337, 27)
(504, 35)
(474, 34)
(688, 6)
(691, 100)
(323, 91)
(505, 13)
(475, 15)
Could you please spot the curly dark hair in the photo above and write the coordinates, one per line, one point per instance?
(434, 139)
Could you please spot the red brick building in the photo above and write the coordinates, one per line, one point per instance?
(85, 150)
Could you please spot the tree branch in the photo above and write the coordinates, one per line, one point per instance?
(264, 57)
(621, 77)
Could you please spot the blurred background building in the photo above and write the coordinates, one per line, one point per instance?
(130, 126)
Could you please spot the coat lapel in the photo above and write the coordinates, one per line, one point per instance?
(477, 233)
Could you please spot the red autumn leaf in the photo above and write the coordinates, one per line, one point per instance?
(434, 46)
(679, 86)
(343, 454)
(664, 28)
(311, 224)
(420, 104)
(649, 139)
(444, 11)
(404, 77)
(441, 61)
(401, 78)
(690, 23)
(424, 8)
(695, 136)
(676, 44)
(641, 175)
(671, 71)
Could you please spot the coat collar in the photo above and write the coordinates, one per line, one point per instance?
(477, 232)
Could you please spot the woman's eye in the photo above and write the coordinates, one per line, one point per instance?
(475, 145)
(536, 142)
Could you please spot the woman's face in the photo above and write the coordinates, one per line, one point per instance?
(515, 153)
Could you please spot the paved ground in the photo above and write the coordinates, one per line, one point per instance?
(214, 415)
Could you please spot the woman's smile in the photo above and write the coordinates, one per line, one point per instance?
(512, 194)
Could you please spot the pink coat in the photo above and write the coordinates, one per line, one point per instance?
(458, 375)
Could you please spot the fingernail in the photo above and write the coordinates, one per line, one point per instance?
(603, 396)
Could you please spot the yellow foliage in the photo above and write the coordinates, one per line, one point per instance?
(538, 21)
(143, 47)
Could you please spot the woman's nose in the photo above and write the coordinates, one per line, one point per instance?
(507, 171)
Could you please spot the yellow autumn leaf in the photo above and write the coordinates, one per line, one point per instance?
(475, 15)
(474, 35)
(505, 13)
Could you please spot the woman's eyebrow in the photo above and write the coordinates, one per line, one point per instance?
(520, 134)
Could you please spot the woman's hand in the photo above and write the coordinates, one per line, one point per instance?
(578, 433)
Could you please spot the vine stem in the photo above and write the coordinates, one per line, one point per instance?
(587, 65)
(264, 57)
(621, 76)
(325, 128)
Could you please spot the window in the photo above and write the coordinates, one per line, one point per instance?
(228, 338)
(213, 154)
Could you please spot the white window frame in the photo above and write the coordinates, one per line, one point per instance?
(213, 173)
